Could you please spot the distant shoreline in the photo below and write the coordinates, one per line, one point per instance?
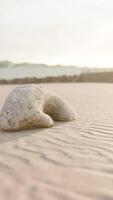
(106, 77)
(49, 79)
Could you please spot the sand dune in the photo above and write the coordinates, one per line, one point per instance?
(70, 161)
(103, 77)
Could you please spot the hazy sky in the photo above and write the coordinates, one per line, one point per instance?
(78, 32)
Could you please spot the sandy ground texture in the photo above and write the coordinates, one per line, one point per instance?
(70, 161)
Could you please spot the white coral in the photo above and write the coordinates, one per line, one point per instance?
(29, 106)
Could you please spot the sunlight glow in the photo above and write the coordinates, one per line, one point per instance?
(57, 31)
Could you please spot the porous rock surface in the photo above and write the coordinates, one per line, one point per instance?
(29, 106)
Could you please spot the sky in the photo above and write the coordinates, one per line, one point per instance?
(69, 32)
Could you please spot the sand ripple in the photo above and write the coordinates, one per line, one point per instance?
(71, 160)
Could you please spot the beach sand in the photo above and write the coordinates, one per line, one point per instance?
(70, 161)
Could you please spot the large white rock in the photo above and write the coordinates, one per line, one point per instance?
(29, 106)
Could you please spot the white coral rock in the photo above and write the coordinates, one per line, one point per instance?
(29, 106)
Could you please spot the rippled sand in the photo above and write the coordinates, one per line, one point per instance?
(70, 161)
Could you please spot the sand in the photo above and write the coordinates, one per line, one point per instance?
(70, 161)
